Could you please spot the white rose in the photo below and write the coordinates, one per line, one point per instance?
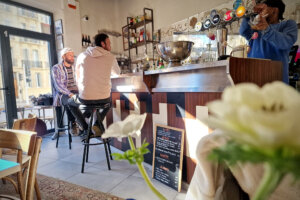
(131, 125)
(264, 117)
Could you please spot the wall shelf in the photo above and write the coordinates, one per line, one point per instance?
(140, 24)
(131, 33)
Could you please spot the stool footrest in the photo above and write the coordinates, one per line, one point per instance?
(94, 143)
(62, 129)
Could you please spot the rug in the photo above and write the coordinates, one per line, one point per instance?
(55, 189)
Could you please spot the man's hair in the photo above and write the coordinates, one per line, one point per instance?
(100, 37)
(276, 4)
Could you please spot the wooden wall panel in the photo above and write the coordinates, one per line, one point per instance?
(156, 99)
(115, 96)
(198, 99)
(257, 71)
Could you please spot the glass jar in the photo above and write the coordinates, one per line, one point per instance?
(208, 55)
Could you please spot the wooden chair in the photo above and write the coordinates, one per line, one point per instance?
(24, 143)
(28, 125)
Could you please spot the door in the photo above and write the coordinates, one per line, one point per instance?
(27, 52)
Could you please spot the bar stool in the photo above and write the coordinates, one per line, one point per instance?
(63, 127)
(95, 109)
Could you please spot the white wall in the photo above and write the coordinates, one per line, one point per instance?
(166, 12)
(60, 10)
(112, 15)
(102, 15)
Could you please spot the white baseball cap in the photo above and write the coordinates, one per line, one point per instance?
(65, 50)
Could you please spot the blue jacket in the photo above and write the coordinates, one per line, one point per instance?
(273, 43)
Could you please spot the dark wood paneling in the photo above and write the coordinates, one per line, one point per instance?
(109, 117)
(132, 100)
(190, 168)
(115, 96)
(156, 99)
(174, 121)
(198, 99)
(257, 71)
(147, 133)
(124, 111)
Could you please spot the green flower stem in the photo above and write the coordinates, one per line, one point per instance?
(269, 182)
(145, 175)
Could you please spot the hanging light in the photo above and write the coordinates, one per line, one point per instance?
(207, 24)
(198, 26)
(228, 16)
(240, 11)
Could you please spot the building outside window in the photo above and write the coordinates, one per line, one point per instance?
(38, 80)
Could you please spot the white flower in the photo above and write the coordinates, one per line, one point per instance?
(131, 125)
(264, 117)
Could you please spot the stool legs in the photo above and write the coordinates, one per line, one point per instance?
(89, 136)
(59, 125)
(106, 152)
(87, 142)
(64, 129)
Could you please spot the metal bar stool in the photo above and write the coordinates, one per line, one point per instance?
(63, 127)
(86, 142)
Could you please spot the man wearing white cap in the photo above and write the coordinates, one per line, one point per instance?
(64, 84)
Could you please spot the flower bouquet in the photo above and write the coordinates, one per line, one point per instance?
(263, 126)
(131, 127)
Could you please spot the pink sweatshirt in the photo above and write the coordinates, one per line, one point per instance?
(93, 70)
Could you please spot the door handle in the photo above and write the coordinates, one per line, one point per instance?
(5, 88)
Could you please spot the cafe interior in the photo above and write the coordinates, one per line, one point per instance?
(187, 87)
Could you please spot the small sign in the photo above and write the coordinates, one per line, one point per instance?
(167, 156)
(58, 27)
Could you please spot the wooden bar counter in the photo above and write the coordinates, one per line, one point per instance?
(177, 97)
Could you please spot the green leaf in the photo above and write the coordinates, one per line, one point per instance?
(133, 156)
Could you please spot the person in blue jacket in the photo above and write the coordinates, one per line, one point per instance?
(275, 35)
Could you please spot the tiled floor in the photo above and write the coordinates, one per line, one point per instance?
(122, 180)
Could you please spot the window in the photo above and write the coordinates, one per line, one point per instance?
(35, 21)
(36, 59)
(38, 80)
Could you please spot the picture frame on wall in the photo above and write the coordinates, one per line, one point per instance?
(59, 42)
(58, 27)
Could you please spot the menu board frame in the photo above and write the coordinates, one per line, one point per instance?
(181, 132)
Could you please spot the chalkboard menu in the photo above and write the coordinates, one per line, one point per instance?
(167, 156)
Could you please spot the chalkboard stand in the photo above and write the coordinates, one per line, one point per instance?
(168, 155)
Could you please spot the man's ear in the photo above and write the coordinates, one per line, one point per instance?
(102, 44)
(275, 11)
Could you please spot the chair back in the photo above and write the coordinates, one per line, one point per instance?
(25, 124)
(33, 168)
(17, 139)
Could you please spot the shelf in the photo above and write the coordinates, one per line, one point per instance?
(140, 24)
(141, 44)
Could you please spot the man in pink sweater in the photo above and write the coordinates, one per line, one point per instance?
(93, 70)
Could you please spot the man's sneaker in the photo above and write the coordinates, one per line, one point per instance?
(54, 136)
(74, 130)
(97, 131)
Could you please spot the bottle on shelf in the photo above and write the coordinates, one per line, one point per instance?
(131, 21)
(141, 39)
(82, 40)
(89, 41)
(85, 41)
